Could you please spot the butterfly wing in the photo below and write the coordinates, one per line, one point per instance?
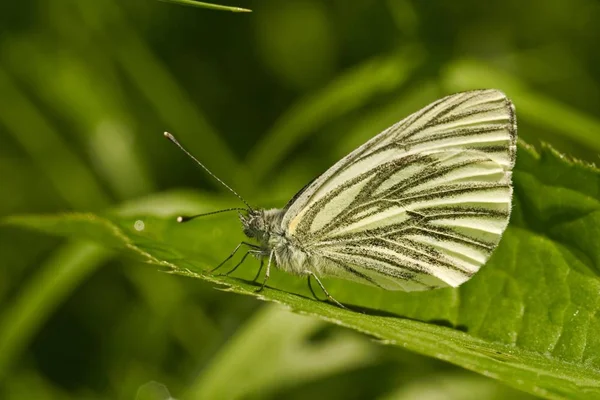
(421, 205)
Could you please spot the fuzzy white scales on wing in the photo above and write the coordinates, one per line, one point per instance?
(421, 205)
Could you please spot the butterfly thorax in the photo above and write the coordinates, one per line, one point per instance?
(265, 227)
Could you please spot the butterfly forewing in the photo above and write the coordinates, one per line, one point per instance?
(421, 205)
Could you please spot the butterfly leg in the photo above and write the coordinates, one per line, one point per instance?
(262, 264)
(233, 253)
(311, 289)
(312, 274)
(267, 273)
(240, 263)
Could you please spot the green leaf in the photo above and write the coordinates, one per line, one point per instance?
(529, 318)
(454, 386)
(203, 4)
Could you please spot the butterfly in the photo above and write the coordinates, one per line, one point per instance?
(422, 205)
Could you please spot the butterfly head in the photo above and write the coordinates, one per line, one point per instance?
(253, 222)
(262, 224)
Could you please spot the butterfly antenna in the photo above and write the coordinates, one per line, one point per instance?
(172, 139)
(186, 218)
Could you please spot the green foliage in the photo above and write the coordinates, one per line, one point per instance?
(203, 4)
(268, 100)
(528, 318)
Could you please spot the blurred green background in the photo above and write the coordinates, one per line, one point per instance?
(267, 100)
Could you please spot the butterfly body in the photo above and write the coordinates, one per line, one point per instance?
(265, 227)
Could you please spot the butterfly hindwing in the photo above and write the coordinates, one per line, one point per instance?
(421, 205)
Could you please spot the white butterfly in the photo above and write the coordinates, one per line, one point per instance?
(422, 205)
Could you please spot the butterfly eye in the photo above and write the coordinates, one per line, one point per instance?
(248, 223)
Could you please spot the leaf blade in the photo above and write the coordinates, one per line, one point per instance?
(202, 4)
